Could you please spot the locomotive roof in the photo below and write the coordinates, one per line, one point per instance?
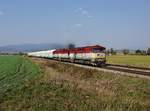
(92, 46)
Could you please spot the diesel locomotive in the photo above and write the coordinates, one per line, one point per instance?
(93, 55)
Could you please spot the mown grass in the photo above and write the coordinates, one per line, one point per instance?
(64, 87)
(134, 60)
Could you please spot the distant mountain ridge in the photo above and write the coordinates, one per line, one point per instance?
(41, 46)
(30, 47)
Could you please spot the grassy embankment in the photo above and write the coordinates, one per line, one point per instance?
(64, 87)
(133, 60)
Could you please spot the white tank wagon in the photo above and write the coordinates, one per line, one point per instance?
(35, 54)
(47, 54)
(43, 54)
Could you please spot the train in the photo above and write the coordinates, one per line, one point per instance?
(92, 55)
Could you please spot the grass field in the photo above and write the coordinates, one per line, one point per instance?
(64, 87)
(134, 60)
(14, 72)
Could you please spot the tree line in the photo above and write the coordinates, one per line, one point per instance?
(126, 51)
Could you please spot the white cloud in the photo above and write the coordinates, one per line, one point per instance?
(78, 25)
(1, 13)
(83, 12)
(89, 16)
(78, 9)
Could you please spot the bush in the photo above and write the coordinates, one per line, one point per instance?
(148, 51)
(140, 52)
(125, 51)
(112, 51)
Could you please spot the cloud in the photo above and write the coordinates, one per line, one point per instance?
(78, 25)
(1, 13)
(89, 16)
(83, 12)
(78, 9)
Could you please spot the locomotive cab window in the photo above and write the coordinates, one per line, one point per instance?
(96, 50)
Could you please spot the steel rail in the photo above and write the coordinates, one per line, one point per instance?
(119, 68)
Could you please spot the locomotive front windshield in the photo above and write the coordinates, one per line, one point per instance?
(96, 50)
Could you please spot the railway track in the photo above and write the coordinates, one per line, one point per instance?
(128, 69)
(131, 71)
(127, 66)
(121, 69)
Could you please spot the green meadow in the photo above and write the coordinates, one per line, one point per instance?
(133, 60)
(15, 71)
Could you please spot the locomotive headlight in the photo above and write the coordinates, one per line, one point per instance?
(98, 54)
(101, 54)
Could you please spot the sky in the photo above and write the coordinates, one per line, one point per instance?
(112, 23)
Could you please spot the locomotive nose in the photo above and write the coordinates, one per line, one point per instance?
(102, 55)
(98, 54)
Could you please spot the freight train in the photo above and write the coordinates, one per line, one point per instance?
(92, 55)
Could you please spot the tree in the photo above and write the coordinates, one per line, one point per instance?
(71, 45)
(107, 52)
(112, 51)
(138, 51)
(148, 51)
(21, 53)
(143, 52)
(125, 51)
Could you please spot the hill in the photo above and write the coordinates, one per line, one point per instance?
(30, 47)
